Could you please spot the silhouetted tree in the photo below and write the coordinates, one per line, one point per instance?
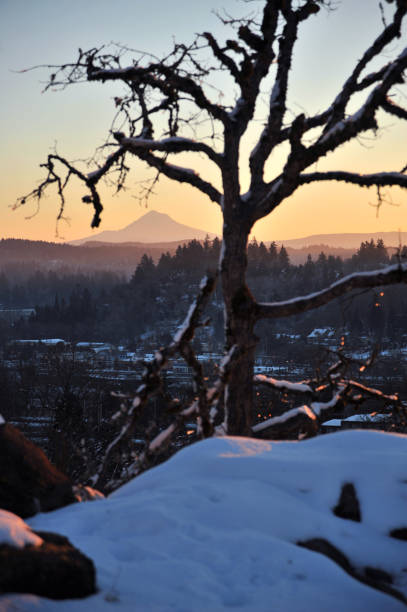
(261, 46)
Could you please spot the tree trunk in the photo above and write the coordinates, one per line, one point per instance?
(239, 326)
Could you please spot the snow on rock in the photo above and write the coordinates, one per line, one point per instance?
(16, 533)
(216, 527)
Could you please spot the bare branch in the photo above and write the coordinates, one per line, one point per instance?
(222, 56)
(163, 78)
(173, 144)
(178, 173)
(360, 280)
(305, 420)
(282, 385)
(255, 64)
(388, 35)
(343, 131)
(390, 107)
(375, 393)
(53, 178)
(151, 385)
(94, 177)
(181, 81)
(295, 420)
(277, 103)
(89, 180)
(338, 132)
(199, 409)
(371, 78)
(309, 124)
(380, 179)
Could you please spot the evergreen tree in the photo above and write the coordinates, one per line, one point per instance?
(283, 259)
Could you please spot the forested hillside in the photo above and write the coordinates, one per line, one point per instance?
(104, 306)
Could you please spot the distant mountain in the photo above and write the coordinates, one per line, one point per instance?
(155, 227)
(345, 241)
(151, 227)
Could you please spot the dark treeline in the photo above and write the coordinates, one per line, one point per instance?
(41, 287)
(21, 256)
(103, 306)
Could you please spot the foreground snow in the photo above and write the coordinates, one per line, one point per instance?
(216, 528)
(15, 532)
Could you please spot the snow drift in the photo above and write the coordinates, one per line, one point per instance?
(217, 527)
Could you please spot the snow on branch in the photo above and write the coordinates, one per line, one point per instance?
(327, 394)
(174, 144)
(158, 76)
(95, 176)
(254, 44)
(292, 420)
(388, 35)
(151, 386)
(337, 128)
(357, 386)
(305, 419)
(360, 280)
(341, 130)
(283, 385)
(380, 179)
(278, 97)
(204, 408)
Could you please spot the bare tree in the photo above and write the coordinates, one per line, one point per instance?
(180, 88)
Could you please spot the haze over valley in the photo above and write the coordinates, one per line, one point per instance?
(156, 227)
(157, 233)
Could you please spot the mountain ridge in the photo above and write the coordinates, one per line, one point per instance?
(158, 228)
(152, 227)
(346, 240)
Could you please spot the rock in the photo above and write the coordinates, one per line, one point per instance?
(29, 483)
(53, 569)
(378, 575)
(372, 576)
(329, 550)
(348, 504)
(400, 533)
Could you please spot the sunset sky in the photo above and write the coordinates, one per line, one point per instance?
(76, 120)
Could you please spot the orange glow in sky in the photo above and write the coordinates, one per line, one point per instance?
(76, 120)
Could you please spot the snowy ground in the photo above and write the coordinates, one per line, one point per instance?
(215, 528)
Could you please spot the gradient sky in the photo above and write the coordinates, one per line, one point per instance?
(76, 120)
